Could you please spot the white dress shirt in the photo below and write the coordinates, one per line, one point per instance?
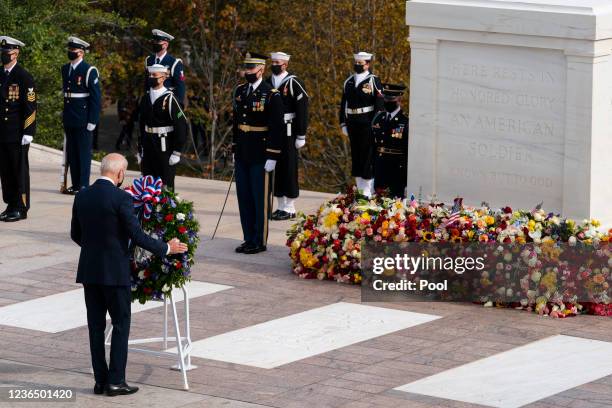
(277, 79)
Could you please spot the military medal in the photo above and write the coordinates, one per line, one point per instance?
(13, 92)
(79, 78)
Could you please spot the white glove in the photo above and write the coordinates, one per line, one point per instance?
(174, 158)
(26, 139)
(299, 143)
(91, 127)
(270, 165)
(344, 130)
(138, 158)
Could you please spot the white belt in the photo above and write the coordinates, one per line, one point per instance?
(358, 111)
(289, 116)
(76, 95)
(159, 130)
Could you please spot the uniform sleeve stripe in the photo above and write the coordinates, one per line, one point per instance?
(29, 120)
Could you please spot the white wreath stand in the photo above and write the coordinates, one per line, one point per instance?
(183, 344)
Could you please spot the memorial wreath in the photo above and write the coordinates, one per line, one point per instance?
(163, 215)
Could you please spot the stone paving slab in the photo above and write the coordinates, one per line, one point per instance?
(38, 259)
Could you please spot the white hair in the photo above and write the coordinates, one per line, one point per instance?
(112, 164)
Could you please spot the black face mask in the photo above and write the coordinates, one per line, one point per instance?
(277, 69)
(152, 82)
(6, 57)
(358, 68)
(157, 47)
(250, 77)
(390, 106)
(72, 55)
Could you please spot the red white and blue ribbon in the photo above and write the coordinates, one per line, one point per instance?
(146, 192)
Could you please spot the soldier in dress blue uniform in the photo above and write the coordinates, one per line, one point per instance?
(258, 129)
(163, 128)
(361, 99)
(17, 130)
(390, 129)
(81, 83)
(175, 82)
(295, 101)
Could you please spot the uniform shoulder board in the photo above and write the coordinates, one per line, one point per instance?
(89, 70)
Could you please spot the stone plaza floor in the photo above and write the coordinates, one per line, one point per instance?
(264, 338)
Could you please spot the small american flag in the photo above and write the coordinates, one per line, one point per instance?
(455, 212)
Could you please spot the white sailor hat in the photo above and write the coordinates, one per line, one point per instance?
(365, 56)
(9, 43)
(74, 42)
(279, 55)
(157, 68)
(160, 35)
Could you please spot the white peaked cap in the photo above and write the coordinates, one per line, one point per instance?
(162, 34)
(279, 55)
(157, 68)
(366, 56)
(6, 40)
(78, 41)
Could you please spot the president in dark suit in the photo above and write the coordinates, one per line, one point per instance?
(103, 223)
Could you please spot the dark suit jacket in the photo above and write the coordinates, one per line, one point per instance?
(103, 221)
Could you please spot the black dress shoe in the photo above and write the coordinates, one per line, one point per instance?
(15, 216)
(275, 215)
(240, 248)
(71, 190)
(120, 389)
(254, 249)
(284, 215)
(99, 388)
(4, 214)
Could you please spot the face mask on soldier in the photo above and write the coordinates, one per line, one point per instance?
(72, 55)
(250, 77)
(6, 57)
(390, 106)
(152, 82)
(277, 69)
(358, 68)
(157, 47)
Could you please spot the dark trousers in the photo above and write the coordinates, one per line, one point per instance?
(15, 175)
(286, 171)
(390, 173)
(362, 149)
(117, 300)
(126, 134)
(155, 162)
(254, 190)
(78, 150)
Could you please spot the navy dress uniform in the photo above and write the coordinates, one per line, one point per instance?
(176, 80)
(17, 129)
(390, 129)
(361, 99)
(82, 101)
(295, 102)
(258, 128)
(163, 132)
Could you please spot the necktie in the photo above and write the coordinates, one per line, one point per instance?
(250, 90)
(157, 60)
(70, 71)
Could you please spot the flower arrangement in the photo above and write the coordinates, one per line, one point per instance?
(163, 216)
(327, 245)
